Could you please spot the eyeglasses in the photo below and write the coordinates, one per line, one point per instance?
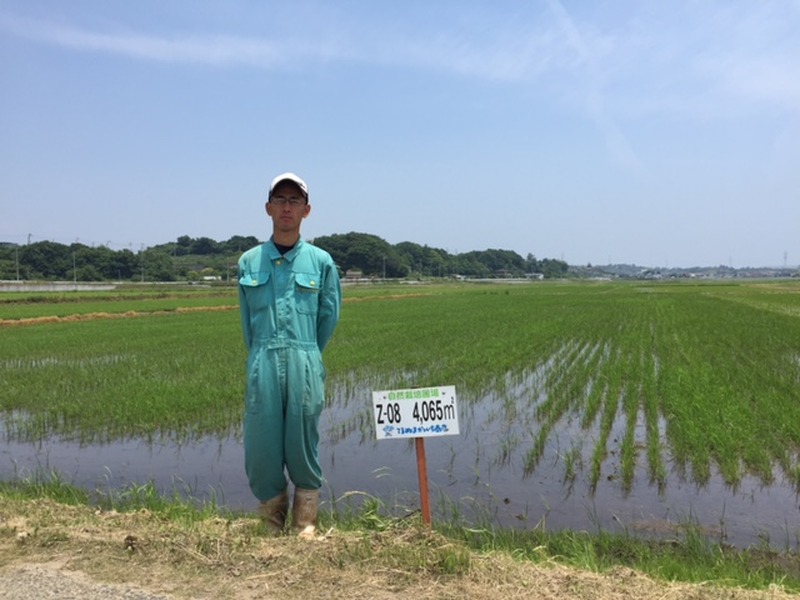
(292, 201)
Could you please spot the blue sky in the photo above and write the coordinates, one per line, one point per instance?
(658, 133)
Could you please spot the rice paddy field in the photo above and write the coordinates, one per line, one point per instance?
(645, 406)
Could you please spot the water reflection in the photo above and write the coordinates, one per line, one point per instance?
(479, 475)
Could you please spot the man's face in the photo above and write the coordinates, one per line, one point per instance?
(284, 209)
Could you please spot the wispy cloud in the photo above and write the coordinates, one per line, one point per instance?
(687, 59)
(759, 80)
(708, 61)
(217, 50)
(595, 98)
(499, 57)
(521, 59)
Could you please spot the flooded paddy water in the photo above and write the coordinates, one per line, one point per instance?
(481, 476)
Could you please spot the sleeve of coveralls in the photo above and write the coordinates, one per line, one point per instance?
(244, 313)
(329, 303)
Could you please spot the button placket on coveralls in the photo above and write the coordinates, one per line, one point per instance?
(285, 378)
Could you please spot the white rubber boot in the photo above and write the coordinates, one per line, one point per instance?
(304, 512)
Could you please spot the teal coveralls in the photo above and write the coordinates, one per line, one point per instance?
(289, 306)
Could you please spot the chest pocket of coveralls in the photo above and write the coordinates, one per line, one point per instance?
(306, 292)
(255, 289)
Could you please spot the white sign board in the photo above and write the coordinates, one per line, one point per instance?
(417, 412)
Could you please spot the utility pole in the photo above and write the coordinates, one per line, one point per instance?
(74, 265)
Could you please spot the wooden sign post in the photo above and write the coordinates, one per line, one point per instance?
(422, 474)
(417, 413)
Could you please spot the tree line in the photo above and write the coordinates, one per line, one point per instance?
(188, 259)
(375, 257)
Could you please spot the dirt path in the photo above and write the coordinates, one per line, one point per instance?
(52, 580)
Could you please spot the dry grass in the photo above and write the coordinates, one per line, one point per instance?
(218, 558)
(110, 315)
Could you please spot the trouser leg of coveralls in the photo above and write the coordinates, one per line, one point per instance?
(263, 426)
(305, 399)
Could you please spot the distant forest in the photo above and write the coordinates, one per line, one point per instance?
(193, 259)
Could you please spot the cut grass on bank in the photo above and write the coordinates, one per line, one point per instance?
(47, 514)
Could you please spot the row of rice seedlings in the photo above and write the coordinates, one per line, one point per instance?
(518, 409)
(568, 380)
(640, 402)
(608, 414)
(597, 389)
(573, 461)
(565, 396)
(608, 380)
(630, 406)
(683, 390)
(649, 402)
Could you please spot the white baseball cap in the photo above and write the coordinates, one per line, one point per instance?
(289, 177)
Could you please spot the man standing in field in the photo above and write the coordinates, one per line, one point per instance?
(289, 299)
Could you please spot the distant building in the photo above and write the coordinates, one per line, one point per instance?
(354, 274)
